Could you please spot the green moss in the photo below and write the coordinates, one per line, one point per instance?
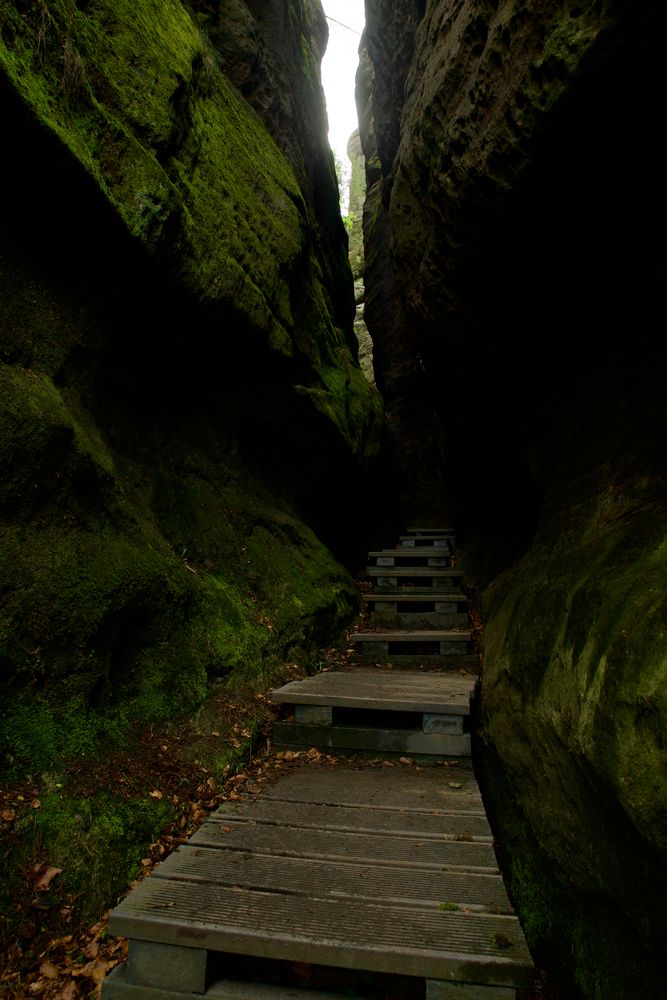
(98, 842)
(192, 172)
(575, 672)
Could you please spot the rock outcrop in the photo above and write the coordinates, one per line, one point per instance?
(515, 284)
(181, 401)
(355, 215)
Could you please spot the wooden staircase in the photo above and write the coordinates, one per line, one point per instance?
(379, 878)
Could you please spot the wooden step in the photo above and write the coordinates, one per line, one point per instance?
(431, 642)
(364, 818)
(410, 557)
(393, 713)
(371, 741)
(408, 610)
(427, 541)
(396, 691)
(415, 596)
(281, 890)
(411, 530)
(406, 575)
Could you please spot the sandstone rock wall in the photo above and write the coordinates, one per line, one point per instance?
(515, 283)
(177, 381)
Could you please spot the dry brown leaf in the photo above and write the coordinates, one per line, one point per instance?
(48, 970)
(69, 991)
(155, 794)
(9, 815)
(91, 950)
(44, 881)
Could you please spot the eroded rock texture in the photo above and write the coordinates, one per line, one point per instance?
(515, 293)
(179, 395)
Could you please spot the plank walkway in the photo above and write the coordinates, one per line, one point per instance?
(355, 869)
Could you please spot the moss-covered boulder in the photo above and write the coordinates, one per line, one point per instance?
(575, 677)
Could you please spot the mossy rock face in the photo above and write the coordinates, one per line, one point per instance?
(173, 378)
(135, 95)
(575, 674)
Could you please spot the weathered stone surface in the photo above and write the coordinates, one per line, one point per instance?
(512, 244)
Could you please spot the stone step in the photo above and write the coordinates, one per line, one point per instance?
(410, 557)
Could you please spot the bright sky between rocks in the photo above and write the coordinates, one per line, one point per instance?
(338, 70)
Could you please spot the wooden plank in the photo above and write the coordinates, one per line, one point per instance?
(291, 735)
(314, 714)
(418, 619)
(414, 850)
(323, 879)
(404, 597)
(412, 530)
(396, 691)
(418, 552)
(411, 635)
(454, 660)
(362, 819)
(415, 571)
(443, 787)
(440, 945)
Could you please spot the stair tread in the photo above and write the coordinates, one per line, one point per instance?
(413, 635)
(412, 571)
(424, 594)
(221, 893)
(431, 552)
(405, 691)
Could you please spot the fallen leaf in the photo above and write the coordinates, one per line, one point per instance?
(156, 794)
(35, 804)
(9, 815)
(44, 881)
(91, 950)
(455, 784)
(405, 760)
(69, 991)
(95, 970)
(48, 970)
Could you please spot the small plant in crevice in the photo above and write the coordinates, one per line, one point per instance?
(73, 78)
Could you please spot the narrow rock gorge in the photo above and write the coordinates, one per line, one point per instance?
(193, 462)
(515, 296)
